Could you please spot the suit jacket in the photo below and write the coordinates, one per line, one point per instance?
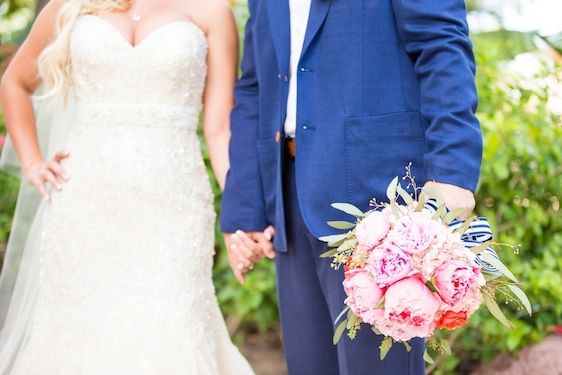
(381, 83)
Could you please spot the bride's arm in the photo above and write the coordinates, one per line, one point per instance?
(18, 84)
(222, 63)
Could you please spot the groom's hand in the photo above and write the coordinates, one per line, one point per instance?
(244, 249)
(456, 197)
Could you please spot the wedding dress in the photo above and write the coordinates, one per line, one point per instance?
(126, 248)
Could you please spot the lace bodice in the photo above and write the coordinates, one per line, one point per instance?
(168, 67)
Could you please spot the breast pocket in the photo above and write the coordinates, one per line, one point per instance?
(378, 148)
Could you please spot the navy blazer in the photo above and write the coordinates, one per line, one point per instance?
(381, 83)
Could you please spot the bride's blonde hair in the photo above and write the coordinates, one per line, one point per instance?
(55, 64)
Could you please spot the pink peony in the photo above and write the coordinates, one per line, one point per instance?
(470, 303)
(454, 278)
(446, 246)
(414, 232)
(410, 310)
(372, 230)
(363, 294)
(389, 264)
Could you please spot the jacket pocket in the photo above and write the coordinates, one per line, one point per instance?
(377, 149)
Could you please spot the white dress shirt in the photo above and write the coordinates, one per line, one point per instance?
(299, 11)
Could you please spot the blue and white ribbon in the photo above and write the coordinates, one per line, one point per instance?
(477, 233)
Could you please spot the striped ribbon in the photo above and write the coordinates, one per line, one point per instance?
(477, 233)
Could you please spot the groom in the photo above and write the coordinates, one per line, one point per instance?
(336, 98)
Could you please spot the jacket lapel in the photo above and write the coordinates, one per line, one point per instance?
(318, 12)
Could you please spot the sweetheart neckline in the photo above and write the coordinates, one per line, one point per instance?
(150, 34)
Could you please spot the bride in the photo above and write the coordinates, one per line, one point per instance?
(124, 238)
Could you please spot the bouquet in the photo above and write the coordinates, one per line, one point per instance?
(412, 268)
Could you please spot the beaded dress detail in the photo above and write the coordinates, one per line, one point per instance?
(127, 246)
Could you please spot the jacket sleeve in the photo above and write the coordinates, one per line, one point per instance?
(434, 34)
(243, 202)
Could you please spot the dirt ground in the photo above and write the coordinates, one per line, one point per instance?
(265, 353)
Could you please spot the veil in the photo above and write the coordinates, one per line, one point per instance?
(19, 278)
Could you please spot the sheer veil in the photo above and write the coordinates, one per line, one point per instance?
(19, 279)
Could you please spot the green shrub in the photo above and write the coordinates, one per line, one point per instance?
(520, 192)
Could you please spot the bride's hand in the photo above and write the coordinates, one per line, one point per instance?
(42, 172)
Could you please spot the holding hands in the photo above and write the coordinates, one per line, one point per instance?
(245, 249)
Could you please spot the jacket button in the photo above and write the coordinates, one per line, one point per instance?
(277, 137)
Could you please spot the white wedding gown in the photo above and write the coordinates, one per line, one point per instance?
(127, 246)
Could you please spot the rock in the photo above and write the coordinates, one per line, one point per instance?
(544, 358)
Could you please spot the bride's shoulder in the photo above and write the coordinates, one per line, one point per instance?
(211, 13)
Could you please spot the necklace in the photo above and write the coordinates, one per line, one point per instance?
(136, 17)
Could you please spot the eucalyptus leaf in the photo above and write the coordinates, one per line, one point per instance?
(495, 310)
(385, 346)
(421, 203)
(453, 214)
(329, 253)
(427, 357)
(339, 331)
(341, 314)
(496, 263)
(521, 296)
(405, 196)
(341, 225)
(391, 189)
(463, 228)
(348, 209)
(480, 248)
(441, 211)
(407, 345)
(333, 238)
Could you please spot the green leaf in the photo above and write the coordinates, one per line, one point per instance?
(421, 203)
(391, 189)
(495, 262)
(427, 357)
(480, 248)
(348, 209)
(385, 346)
(441, 211)
(339, 331)
(333, 238)
(346, 309)
(460, 230)
(376, 330)
(407, 345)
(329, 253)
(495, 310)
(405, 196)
(453, 214)
(433, 192)
(521, 296)
(341, 224)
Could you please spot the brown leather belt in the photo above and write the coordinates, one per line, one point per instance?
(291, 146)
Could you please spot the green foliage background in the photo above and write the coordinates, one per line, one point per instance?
(520, 192)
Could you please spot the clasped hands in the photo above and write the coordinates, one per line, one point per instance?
(246, 248)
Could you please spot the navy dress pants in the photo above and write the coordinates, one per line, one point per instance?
(311, 297)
